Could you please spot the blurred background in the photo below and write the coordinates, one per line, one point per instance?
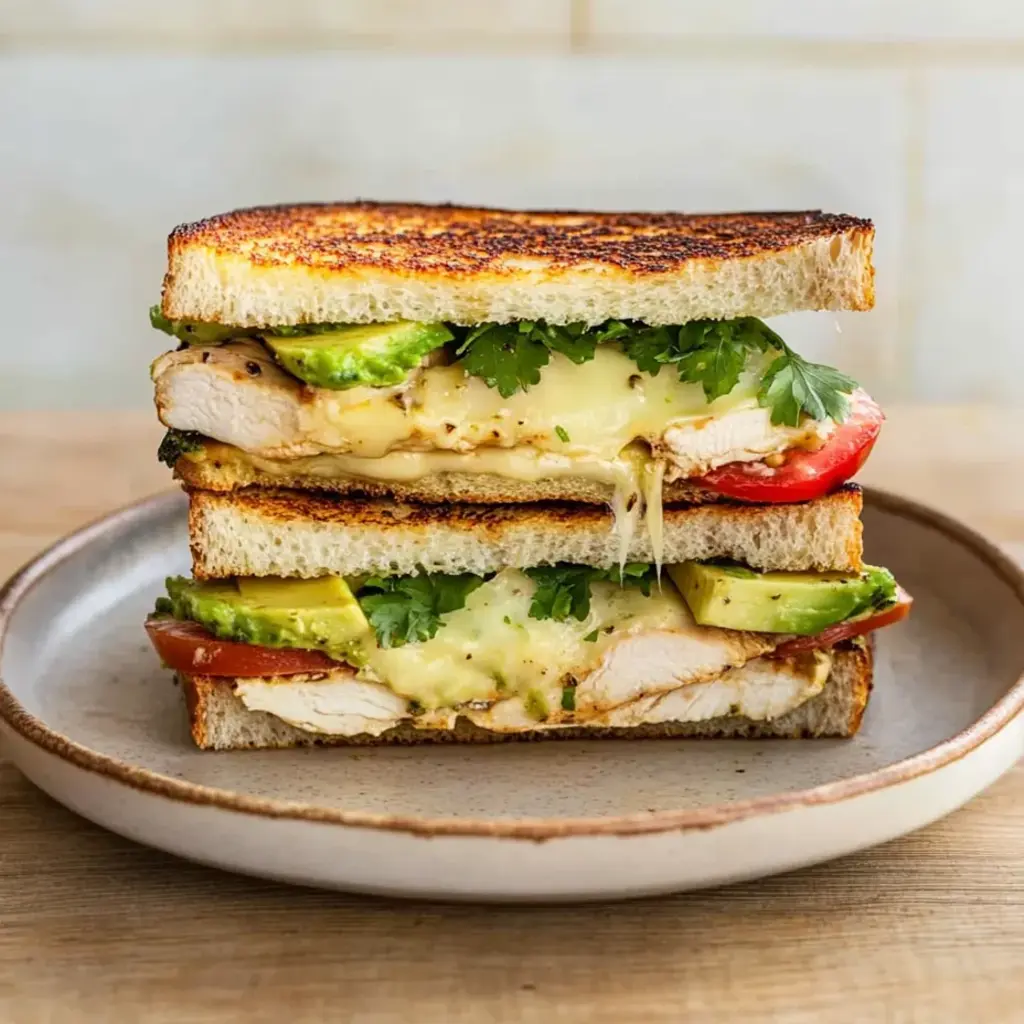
(122, 118)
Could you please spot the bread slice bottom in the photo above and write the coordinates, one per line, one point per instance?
(220, 721)
(256, 532)
(225, 470)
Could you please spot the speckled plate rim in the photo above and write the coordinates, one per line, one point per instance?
(953, 749)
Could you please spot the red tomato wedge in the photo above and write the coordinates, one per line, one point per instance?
(846, 630)
(805, 474)
(187, 647)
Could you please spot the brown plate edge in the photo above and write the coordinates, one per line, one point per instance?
(36, 732)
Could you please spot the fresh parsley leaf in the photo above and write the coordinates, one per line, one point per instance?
(450, 592)
(563, 590)
(714, 353)
(574, 341)
(612, 330)
(591, 637)
(408, 609)
(509, 357)
(633, 574)
(563, 434)
(504, 356)
(569, 696)
(792, 386)
(649, 347)
(176, 443)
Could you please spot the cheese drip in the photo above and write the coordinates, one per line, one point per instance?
(653, 482)
(633, 478)
(595, 422)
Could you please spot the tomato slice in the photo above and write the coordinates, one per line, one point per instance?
(805, 474)
(845, 630)
(187, 647)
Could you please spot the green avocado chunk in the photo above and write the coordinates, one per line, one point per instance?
(804, 603)
(318, 615)
(374, 355)
(195, 332)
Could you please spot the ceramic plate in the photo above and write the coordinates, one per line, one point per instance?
(88, 715)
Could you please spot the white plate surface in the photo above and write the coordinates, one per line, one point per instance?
(89, 715)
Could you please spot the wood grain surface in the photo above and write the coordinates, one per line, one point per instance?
(94, 928)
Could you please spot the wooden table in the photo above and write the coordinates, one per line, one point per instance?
(928, 928)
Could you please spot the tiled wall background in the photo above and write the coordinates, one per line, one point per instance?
(121, 118)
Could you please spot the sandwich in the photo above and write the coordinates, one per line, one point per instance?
(466, 475)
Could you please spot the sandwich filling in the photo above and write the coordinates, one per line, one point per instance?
(541, 648)
(726, 405)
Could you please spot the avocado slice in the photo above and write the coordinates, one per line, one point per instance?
(374, 355)
(804, 603)
(318, 615)
(195, 332)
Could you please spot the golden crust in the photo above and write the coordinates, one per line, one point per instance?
(459, 240)
(197, 691)
(864, 680)
(463, 244)
(286, 506)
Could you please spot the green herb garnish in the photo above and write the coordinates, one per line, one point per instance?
(408, 609)
(792, 386)
(176, 443)
(504, 360)
(712, 353)
(564, 590)
(509, 357)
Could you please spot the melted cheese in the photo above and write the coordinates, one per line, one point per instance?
(526, 465)
(491, 649)
(760, 690)
(633, 659)
(444, 421)
(652, 482)
(236, 394)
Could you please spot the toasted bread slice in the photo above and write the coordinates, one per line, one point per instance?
(362, 262)
(220, 721)
(258, 532)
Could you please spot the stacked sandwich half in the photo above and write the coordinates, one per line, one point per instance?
(474, 474)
